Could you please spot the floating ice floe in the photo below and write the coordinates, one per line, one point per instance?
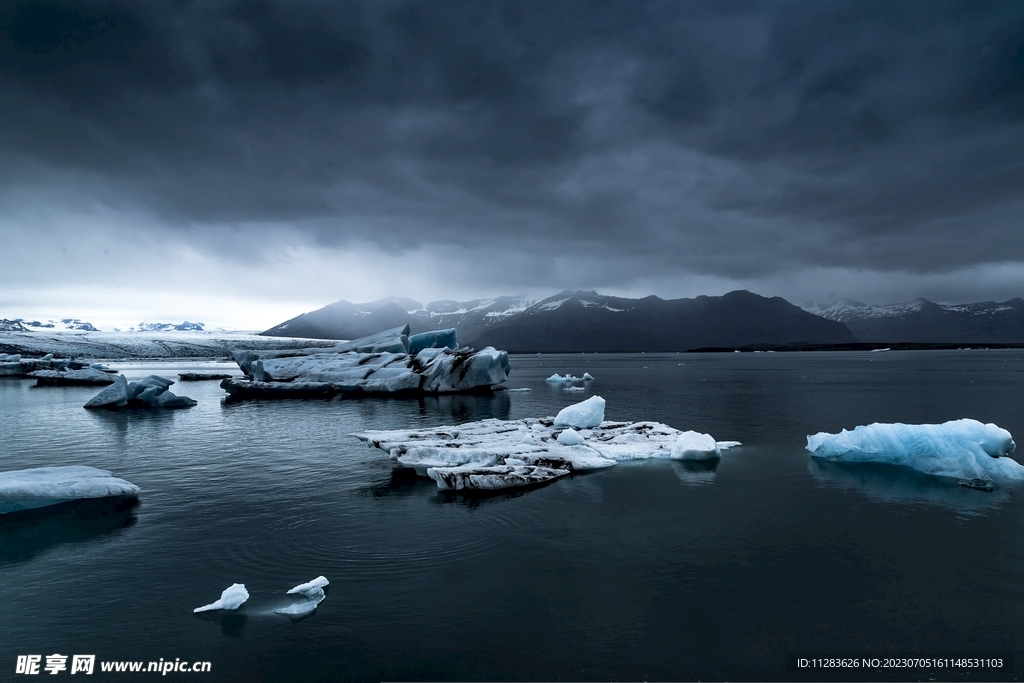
(497, 454)
(202, 376)
(43, 486)
(87, 376)
(147, 393)
(389, 362)
(965, 449)
(558, 379)
(574, 389)
(587, 377)
(313, 594)
(16, 365)
(232, 598)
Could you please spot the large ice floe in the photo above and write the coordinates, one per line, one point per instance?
(147, 393)
(965, 449)
(499, 454)
(389, 362)
(42, 486)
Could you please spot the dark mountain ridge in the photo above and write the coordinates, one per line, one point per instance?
(579, 321)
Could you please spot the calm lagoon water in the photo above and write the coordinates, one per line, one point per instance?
(648, 570)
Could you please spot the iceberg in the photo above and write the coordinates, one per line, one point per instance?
(589, 413)
(497, 454)
(87, 376)
(695, 446)
(232, 598)
(150, 392)
(385, 363)
(587, 377)
(44, 486)
(965, 449)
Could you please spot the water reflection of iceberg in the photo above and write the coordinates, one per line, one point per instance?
(896, 484)
(696, 472)
(26, 534)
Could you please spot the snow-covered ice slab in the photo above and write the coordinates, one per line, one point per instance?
(232, 598)
(388, 367)
(965, 449)
(494, 454)
(43, 486)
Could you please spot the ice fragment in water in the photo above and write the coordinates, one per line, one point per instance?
(232, 598)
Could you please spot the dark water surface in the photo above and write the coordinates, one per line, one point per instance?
(648, 570)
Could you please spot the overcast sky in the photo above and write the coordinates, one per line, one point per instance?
(241, 163)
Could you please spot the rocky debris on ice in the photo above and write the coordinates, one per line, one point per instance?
(150, 392)
(497, 454)
(232, 598)
(389, 362)
(86, 376)
(44, 486)
(965, 449)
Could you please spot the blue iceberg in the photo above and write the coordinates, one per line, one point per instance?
(966, 449)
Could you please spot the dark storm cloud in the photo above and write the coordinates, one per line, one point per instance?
(720, 137)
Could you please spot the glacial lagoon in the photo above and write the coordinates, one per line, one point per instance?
(653, 569)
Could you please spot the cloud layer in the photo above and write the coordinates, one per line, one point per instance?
(464, 148)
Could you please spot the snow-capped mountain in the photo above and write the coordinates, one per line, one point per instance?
(62, 325)
(921, 320)
(186, 326)
(345, 320)
(575, 321)
(578, 321)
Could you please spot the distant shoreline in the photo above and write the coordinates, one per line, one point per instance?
(860, 346)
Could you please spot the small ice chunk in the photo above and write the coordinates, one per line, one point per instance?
(114, 396)
(573, 389)
(692, 445)
(555, 378)
(310, 587)
(584, 415)
(232, 598)
(587, 376)
(724, 445)
(314, 597)
(570, 437)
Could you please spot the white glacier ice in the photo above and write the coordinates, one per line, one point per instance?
(589, 413)
(965, 449)
(587, 376)
(695, 446)
(570, 437)
(310, 587)
(43, 486)
(312, 591)
(232, 598)
(494, 454)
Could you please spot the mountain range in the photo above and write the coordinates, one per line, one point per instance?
(924, 321)
(578, 321)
